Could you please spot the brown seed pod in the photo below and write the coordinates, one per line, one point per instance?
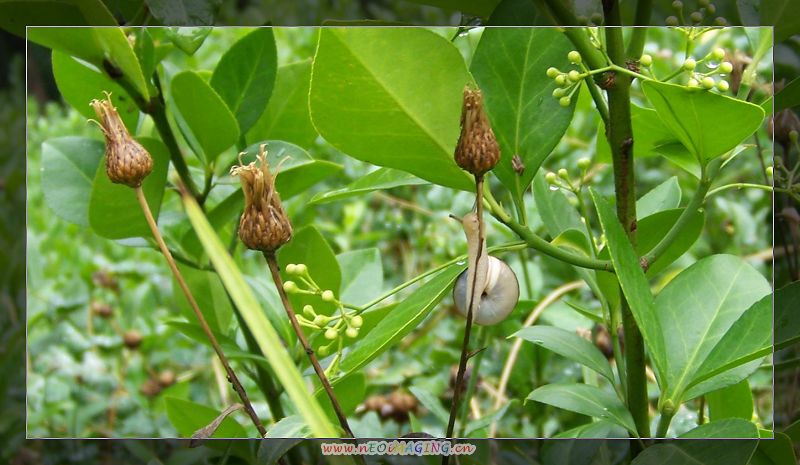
(132, 339)
(477, 150)
(166, 378)
(101, 309)
(264, 225)
(127, 162)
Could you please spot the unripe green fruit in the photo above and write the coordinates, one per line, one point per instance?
(331, 334)
(552, 72)
(769, 171)
(703, 3)
(327, 295)
(290, 287)
(711, 8)
(564, 101)
(725, 67)
(356, 321)
(646, 60)
(352, 333)
(320, 320)
(693, 83)
(671, 21)
(720, 21)
(574, 76)
(793, 136)
(559, 92)
(301, 268)
(708, 82)
(574, 56)
(323, 351)
(696, 17)
(677, 4)
(561, 79)
(723, 86)
(308, 311)
(718, 53)
(550, 177)
(584, 163)
(563, 174)
(689, 64)
(291, 268)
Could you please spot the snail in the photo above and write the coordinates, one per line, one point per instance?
(496, 290)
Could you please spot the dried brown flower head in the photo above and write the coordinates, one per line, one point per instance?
(477, 150)
(127, 162)
(264, 225)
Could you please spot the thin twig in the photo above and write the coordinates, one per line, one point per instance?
(272, 263)
(237, 386)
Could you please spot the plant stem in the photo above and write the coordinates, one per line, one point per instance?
(159, 115)
(663, 424)
(483, 336)
(644, 10)
(272, 263)
(740, 185)
(462, 364)
(232, 378)
(620, 139)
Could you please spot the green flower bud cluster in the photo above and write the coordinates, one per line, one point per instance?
(561, 179)
(567, 81)
(705, 9)
(706, 80)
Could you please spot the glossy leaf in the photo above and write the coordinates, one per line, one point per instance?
(350, 392)
(401, 320)
(707, 124)
(287, 116)
(188, 39)
(778, 451)
(697, 452)
(731, 428)
(781, 14)
(399, 110)
(68, 171)
(734, 401)
(245, 76)
(787, 325)
(712, 294)
(586, 400)
(510, 67)
(380, 179)
(651, 137)
(206, 116)
(15, 16)
(787, 97)
(188, 417)
(96, 45)
(665, 196)
(554, 208)
(595, 429)
(114, 212)
(268, 341)
(362, 275)
(184, 12)
(79, 84)
(569, 345)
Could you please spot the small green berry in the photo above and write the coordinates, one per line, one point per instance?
(718, 53)
(552, 72)
(564, 101)
(352, 333)
(574, 56)
(793, 136)
(677, 5)
(693, 83)
(300, 268)
(711, 8)
(356, 321)
(720, 21)
(703, 3)
(321, 320)
(561, 79)
(646, 60)
(323, 351)
(723, 85)
(671, 21)
(574, 76)
(291, 268)
(689, 64)
(696, 17)
(708, 82)
(331, 334)
(551, 178)
(559, 92)
(290, 287)
(563, 174)
(584, 163)
(725, 67)
(769, 171)
(308, 311)
(327, 295)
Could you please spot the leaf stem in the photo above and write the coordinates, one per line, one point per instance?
(740, 185)
(232, 378)
(483, 337)
(272, 263)
(663, 424)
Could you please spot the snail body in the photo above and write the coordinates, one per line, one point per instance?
(495, 290)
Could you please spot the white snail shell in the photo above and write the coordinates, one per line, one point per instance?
(498, 298)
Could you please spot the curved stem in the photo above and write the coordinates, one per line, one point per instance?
(740, 185)
(234, 380)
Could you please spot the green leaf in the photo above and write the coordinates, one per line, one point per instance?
(665, 196)
(734, 401)
(510, 67)
(287, 116)
(114, 212)
(380, 179)
(554, 208)
(286, 433)
(207, 117)
(310, 248)
(188, 417)
(210, 296)
(788, 97)
(586, 400)
(268, 341)
(398, 110)
(731, 428)
(787, 325)
(401, 320)
(488, 418)
(349, 391)
(651, 137)
(481, 8)
(568, 345)
(781, 14)
(698, 307)
(594, 430)
(188, 39)
(184, 12)
(707, 124)
(633, 282)
(79, 84)
(697, 453)
(778, 451)
(68, 170)
(96, 45)
(16, 15)
(245, 76)
(362, 275)
(431, 402)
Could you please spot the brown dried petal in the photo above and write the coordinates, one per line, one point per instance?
(127, 162)
(477, 150)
